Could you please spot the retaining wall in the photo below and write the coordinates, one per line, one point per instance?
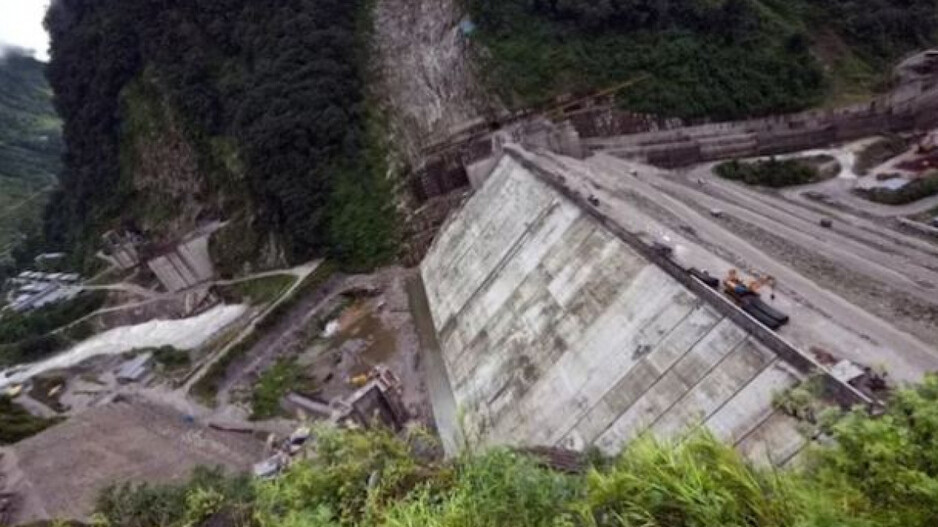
(672, 143)
(186, 265)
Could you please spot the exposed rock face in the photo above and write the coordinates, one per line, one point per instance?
(429, 83)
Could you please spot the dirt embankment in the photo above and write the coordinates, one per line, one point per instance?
(428, 82)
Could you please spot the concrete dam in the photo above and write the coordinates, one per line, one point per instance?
(554, 331)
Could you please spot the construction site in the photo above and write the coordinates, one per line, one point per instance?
(575, 276)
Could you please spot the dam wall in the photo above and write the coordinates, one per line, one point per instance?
(184, 265)
(554, 331)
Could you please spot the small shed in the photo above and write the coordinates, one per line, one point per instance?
(135, 369)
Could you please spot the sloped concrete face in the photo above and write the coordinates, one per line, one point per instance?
(189, 264)
(555, 332)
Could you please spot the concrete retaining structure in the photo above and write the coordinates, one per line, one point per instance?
(671, 143)
(185, 265)
(554, 331)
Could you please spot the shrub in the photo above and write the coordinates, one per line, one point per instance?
(17, 424)
(280, 379)
(770, 173)
(913, 191)
(879, 152)
(879, 472)
(170, 358)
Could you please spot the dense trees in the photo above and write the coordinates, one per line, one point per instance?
(885, 28)
(769, 173)
(282, 79)
(724, 59)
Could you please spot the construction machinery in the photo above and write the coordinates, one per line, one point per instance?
(746, 296)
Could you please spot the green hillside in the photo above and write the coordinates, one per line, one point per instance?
(182, 112)
(30, 144)
(718, 59)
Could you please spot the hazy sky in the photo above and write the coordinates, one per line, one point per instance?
(21, 25)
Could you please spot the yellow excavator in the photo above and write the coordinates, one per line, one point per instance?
(735, 286)
(746, 295)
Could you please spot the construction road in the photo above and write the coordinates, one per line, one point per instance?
(859, 290)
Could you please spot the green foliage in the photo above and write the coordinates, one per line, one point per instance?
(171, 359)
(30, 145)
(884, 29)
(716, 59)
(276, 382)
(879, 472)
(913, 191)
(143, 505)
(258, 290)
(770, 173)
(234, 248)
(879, 152)
(207, 387)
(698, 482)
(284, 84)
(30, 138)
(25, 337)
(17, 424)
(352, 478)
(701, 59)
(498, 488)
(890, 463)
(31, 349)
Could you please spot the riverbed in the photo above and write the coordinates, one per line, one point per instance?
(186, 333)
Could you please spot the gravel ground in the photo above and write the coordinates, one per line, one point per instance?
(905, 311)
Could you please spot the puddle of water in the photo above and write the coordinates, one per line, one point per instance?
(381, 343)
(359, 322)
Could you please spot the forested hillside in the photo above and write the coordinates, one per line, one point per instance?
(177, 112)
(30, 143)
(700, 58)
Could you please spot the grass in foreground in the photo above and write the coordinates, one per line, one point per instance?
(879, 472)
